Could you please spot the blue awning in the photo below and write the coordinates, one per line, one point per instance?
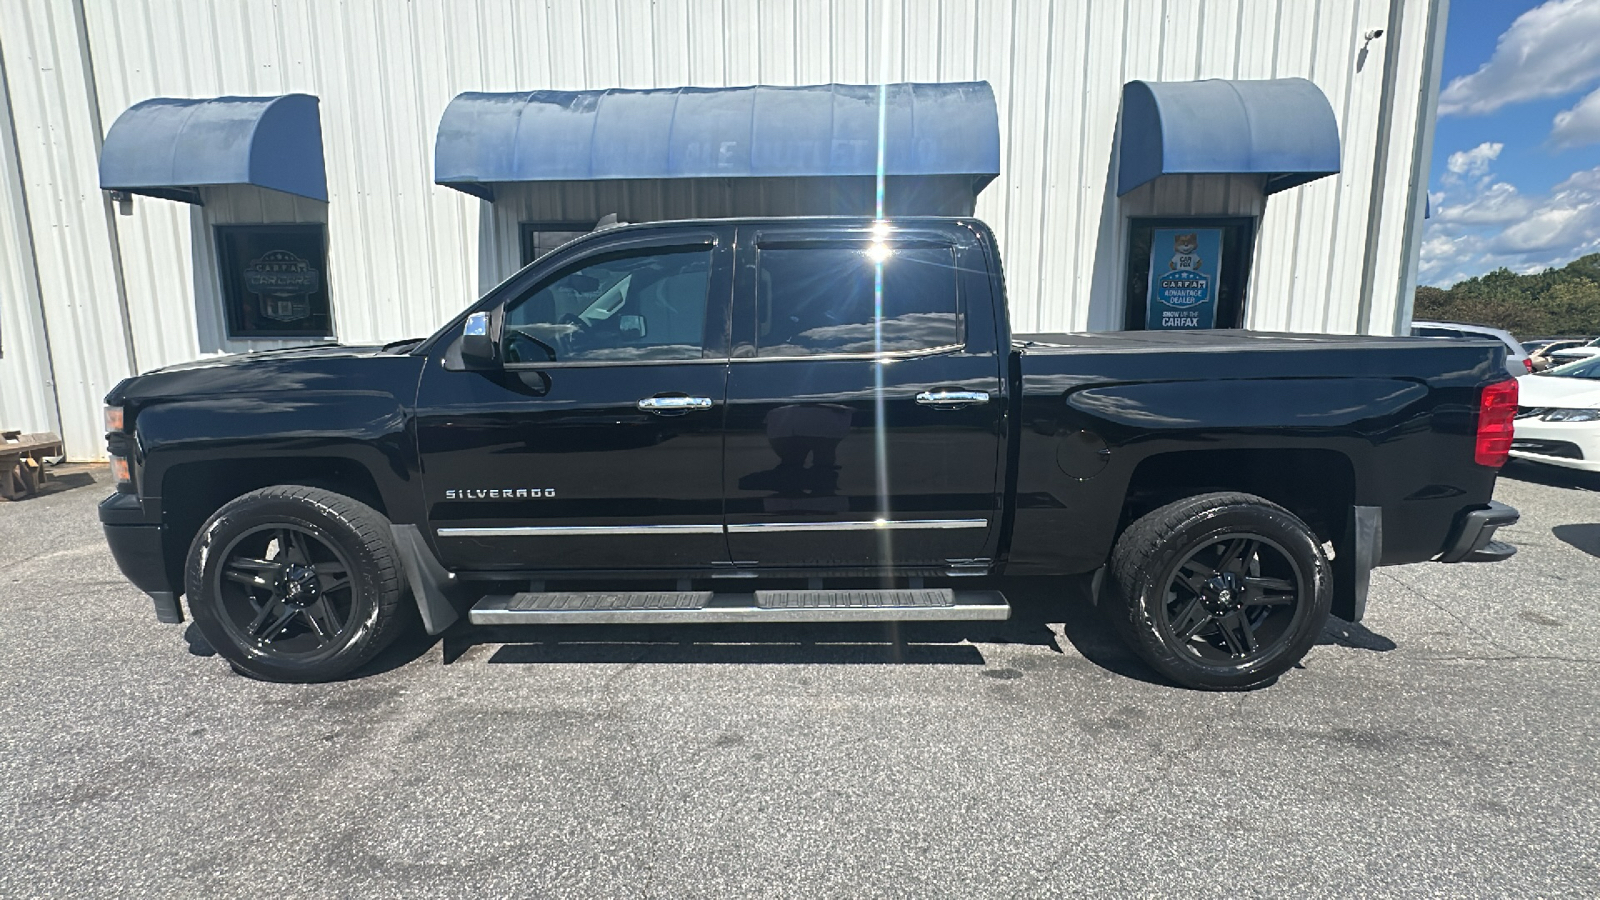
(167, 147)
(1283, 129)
(828, 130)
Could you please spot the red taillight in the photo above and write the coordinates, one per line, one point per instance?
(1497, 406)
(1529, 364)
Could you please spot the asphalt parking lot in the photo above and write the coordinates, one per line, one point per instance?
(1448, 748)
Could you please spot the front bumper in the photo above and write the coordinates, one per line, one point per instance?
(140, 551)
(1473, 538)
(1570, 445)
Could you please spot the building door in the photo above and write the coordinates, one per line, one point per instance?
(604, 428)
(835, 455)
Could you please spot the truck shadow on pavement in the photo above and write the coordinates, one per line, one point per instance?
(1581, 537)
(1058, 615)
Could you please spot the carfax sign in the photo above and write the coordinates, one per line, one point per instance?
(1184, 263)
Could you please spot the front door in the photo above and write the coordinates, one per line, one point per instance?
(864, 404)
(599, 444)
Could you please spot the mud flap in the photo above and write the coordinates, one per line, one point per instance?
(437, 591)
(1358, 551)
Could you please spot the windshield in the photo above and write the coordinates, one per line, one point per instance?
(1583, 368)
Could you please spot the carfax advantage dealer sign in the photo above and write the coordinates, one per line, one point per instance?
(1184, 263)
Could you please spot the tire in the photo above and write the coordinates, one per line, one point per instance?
(297, 584)
(1220, 592)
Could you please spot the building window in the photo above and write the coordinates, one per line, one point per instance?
(274, 280)
(1200, 268)
(539, 238)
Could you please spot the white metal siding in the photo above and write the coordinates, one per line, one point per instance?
(405, 254)
(27, 396)
(58, 143)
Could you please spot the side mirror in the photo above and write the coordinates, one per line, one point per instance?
(477, 346)
(633, 328)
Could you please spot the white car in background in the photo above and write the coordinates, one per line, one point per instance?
(1558, 416)
(1573, 354)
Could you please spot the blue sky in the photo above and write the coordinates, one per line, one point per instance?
(1515, 180)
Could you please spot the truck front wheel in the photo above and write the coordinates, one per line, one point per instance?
(1220, 591)
(293, 583)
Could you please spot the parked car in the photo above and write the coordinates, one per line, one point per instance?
(1517, 362)
(1573, 354)
(1558, 421)
(797, 420)
(1539, 351)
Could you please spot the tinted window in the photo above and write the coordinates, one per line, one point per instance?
(1429, 331)
(624, 306)
(1589, 368)
(813, 300)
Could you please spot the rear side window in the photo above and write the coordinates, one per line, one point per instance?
(816, 300)
(1429, 331)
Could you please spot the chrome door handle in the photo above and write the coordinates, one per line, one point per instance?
(674, 404)
(952, 399)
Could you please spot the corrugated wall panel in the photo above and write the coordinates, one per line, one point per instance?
(58, 142)
(27, 391)
(405, 254)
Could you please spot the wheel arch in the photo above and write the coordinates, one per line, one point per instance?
(1276, 474)
(191, 491)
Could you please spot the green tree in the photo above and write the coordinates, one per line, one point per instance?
(1556, 301)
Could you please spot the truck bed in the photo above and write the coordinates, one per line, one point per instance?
(1108, 419)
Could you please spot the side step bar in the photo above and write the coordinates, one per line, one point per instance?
(605, 608)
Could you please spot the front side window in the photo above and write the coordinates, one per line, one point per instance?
(638, 305)
(274, 280)
(819, 300)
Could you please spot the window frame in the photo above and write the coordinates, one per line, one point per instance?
(1249, 229)
(525, 230)
(574, 256)
(851, 238)
(230, 282)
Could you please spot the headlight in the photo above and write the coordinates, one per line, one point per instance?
(1572, 415)
(113, 419)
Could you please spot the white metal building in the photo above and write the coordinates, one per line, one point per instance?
(89, 295)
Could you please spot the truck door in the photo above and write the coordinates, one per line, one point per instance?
(599, 443)
(865, 398)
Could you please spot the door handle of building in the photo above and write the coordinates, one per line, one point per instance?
(942, 399)
(674, 404)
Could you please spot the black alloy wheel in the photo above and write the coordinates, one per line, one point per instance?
(1220, 591)
(285, 592)
(294, 583)
(1234, 599)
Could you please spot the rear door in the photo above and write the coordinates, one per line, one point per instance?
(865, 397)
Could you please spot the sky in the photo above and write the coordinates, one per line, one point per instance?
(1515, 179)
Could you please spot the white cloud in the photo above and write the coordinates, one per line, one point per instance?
(1498, 204)
(1578, 126)
(1550, 50)
(1478, 228)
(1474, 163)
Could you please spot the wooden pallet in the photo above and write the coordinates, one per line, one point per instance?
(22, 459)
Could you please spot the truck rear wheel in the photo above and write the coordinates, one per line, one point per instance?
(293, 583)
(1220, 591)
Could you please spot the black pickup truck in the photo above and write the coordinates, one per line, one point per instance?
(797, 420)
